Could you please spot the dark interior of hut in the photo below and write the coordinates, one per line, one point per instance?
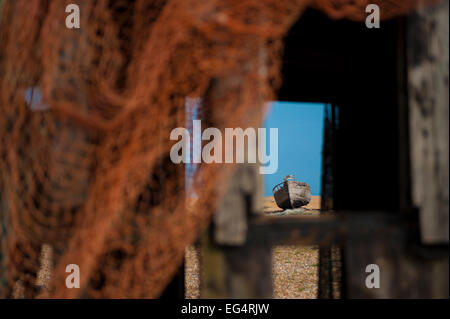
(355, 69)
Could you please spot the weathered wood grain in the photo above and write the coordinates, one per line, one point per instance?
(243, 197)
(428, 67)
(231, 267)
(235, 272)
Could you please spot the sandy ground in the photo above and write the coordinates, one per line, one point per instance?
(295, 268)
(270, 206)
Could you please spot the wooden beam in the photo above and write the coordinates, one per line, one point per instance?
(296, 230)
(326, 229)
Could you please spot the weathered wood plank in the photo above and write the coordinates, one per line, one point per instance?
(243, 197)
(232, 268)
(404, 272)
(235, 272)
(428, 67)
(325, 230)
(329, 285)
(296, 230)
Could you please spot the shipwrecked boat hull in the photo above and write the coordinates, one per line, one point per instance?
(292, 194)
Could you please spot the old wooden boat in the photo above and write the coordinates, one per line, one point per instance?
(291, 193)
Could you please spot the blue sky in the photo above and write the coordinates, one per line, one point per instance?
(300, 136)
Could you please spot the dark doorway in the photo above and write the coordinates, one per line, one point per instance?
(359, 73)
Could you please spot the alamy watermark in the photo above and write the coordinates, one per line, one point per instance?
(373, 279)
(212, 152)
(73, 18)
(373, 19)
(73, 279)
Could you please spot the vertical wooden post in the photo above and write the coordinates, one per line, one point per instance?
(231, 267)
(428, 63)
(330, 257)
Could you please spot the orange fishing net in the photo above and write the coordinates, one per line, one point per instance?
(85, 120)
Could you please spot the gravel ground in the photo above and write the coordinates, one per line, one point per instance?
(295, 272)
(192, 271)
(295, 268)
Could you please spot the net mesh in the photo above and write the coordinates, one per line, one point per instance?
(85, 120)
